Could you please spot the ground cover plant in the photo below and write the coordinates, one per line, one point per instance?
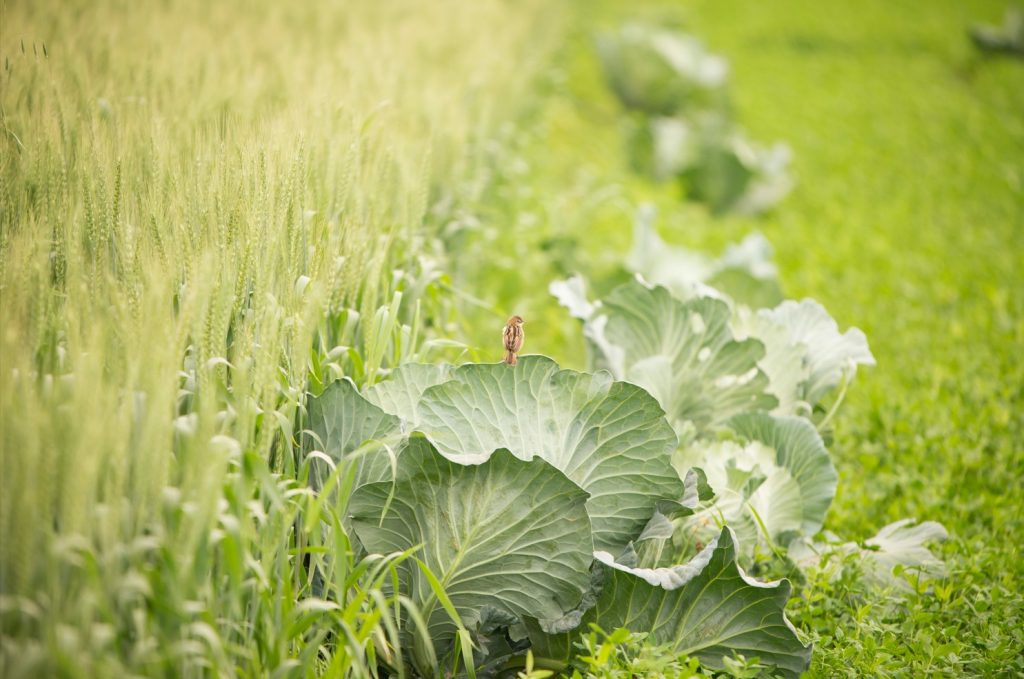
(253, 277)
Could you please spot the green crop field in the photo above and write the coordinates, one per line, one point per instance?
(223, 228)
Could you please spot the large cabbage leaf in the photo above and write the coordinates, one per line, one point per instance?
(506, 534)
(341, 420)
(805, 332)
(902, 543)
(401, 392)
(775, 483)
(611, 438)
(682, 352)
(831, 356)
(784, 360)
(707, 608)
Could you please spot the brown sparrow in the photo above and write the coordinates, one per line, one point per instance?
(512, 336)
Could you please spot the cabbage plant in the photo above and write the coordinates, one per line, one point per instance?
(682, 351)
(681, 122)
(748, 391)
(901, 544)
(745, 272)
(733, 402)
(660, 71)
(522, 492)
(536, 501)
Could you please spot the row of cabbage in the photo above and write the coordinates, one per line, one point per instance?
(529, 502)
(538, 500)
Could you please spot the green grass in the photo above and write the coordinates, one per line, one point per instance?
(171, 175)
(907, 221)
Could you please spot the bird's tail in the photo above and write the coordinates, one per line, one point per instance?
(510, 357)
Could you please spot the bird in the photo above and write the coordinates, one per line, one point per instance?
(512, 336)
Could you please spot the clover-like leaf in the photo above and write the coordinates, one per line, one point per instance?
(611, 438)
(505, 534)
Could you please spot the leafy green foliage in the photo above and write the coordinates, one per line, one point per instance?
(400, 393)
(801, 338)
(898, 551)
(685, 128)
(177, 269)
(681, 351)
(1005, 39)
(660, 71)
(777, 482)
(745, 272)
(341, 421)
(932, 432)
(520, 473)
(707, 608)
(504, 533)
(610, 438)
(623, 654)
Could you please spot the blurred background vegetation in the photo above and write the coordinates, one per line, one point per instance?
(207, 209)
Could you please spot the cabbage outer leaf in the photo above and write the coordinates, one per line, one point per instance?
(341, 420)
(707, 608)
(901, 543)
(507, 533)
(610, 438)
(781, 477)
(399, 394)
(684, 354)
(828, 356)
